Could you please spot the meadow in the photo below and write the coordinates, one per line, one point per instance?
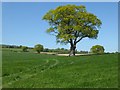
(31, 70)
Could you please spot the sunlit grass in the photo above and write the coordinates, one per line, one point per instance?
(30, 70)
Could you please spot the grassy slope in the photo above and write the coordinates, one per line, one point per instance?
(31, 70)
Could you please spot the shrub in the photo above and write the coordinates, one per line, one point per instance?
(97, 49)
(38, 48)
(24, 48)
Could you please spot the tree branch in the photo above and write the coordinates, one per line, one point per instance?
(71, 42)
(80, 39)
(68, 41)
(76, 36)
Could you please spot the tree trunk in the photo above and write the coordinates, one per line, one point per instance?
(72, 50)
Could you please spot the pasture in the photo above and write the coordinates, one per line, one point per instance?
(31, 70)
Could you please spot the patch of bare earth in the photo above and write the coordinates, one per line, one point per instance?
(52, 53)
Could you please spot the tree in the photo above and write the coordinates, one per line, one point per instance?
(97, 49)
(24, 48)
(71, 23)
(20, 46)
(38, 48)
(46, 50)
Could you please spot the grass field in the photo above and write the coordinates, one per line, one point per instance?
(30, 70)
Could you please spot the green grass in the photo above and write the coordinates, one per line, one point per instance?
(30, 70)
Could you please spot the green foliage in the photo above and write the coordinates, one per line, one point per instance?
(46, 50)
(24, 48)
(72, 22)
(97, 49)
(57, 50)
(38, 48)
(29, 70)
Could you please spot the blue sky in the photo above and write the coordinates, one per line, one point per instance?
(22, 24)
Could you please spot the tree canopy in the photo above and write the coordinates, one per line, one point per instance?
(97, 49)
(24, 48)
(71, 23)
(38, 48)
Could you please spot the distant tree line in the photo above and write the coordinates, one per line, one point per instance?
(40, 48)
(14, 46)
(96, 49)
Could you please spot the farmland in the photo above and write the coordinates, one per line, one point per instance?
(31, 70)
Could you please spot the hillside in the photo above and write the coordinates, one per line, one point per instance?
(30, 70)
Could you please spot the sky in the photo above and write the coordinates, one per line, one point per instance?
(22, 24)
